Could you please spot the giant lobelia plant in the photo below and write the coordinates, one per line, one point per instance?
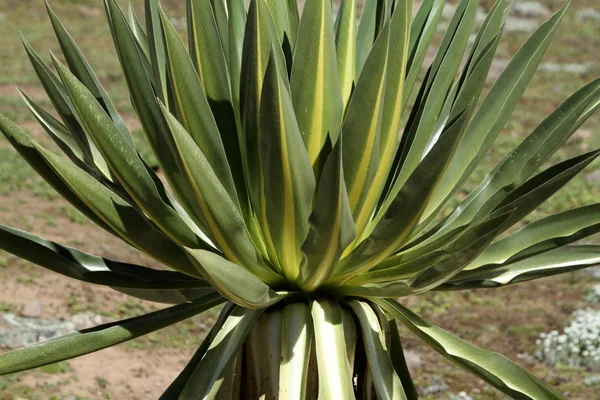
(304, 189)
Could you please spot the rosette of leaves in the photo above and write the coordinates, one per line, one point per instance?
(304, 188)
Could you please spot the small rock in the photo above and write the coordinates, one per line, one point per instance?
(437, 385)
(588, 14)
(33, 309)
(570, 68)
(70, 398)
(520, 25)
(593, 176)
(592, 380)
(531, 9)
(18, 332)
(86, 320)
(413, 361)
(461, 396)
(2, 16)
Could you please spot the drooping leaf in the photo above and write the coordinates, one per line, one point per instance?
(493, 368)
(385, 380)
(557, 261)
(176, 387)
(541, 236)
(103, 336)
(134, 280)
(207, 378)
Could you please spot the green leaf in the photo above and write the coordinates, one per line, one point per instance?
(215, 207)
(406, 209)
(137, 281)
(423, 27)
(331, 225)
(207, 378)
(193, 109)
(493, 368)
(450, 258)
(345, 42)
(297, 334)
(288, 182)
(101, 337)
(237, 26)
(57, 131)
(145, 103)
(335, 372)
(99, 203)
(497, 107)
(232, 281)
(528, 157)
(361, 129)
(138, 31)
(286, 18)
(220, 11)
(392, 109)
(260, 40)
(557, 261)
(541, 236)
(399, 361)
(315, 84)
(61, 102)
(206, 50)
(83, 71)
(125, 162)
(538, 189)
(374, 15)
(158, 50)
(263, 355)
(427, 119)
(385, 380)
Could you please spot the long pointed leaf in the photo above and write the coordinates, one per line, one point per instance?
(495, 369)
(331, 225)
(386, 381)
(101, 337)
(137, 281)
(315, 84)
(287, 175)
(207, 378)
(557, 261)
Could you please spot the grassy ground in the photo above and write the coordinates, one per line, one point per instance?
(506, 320)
